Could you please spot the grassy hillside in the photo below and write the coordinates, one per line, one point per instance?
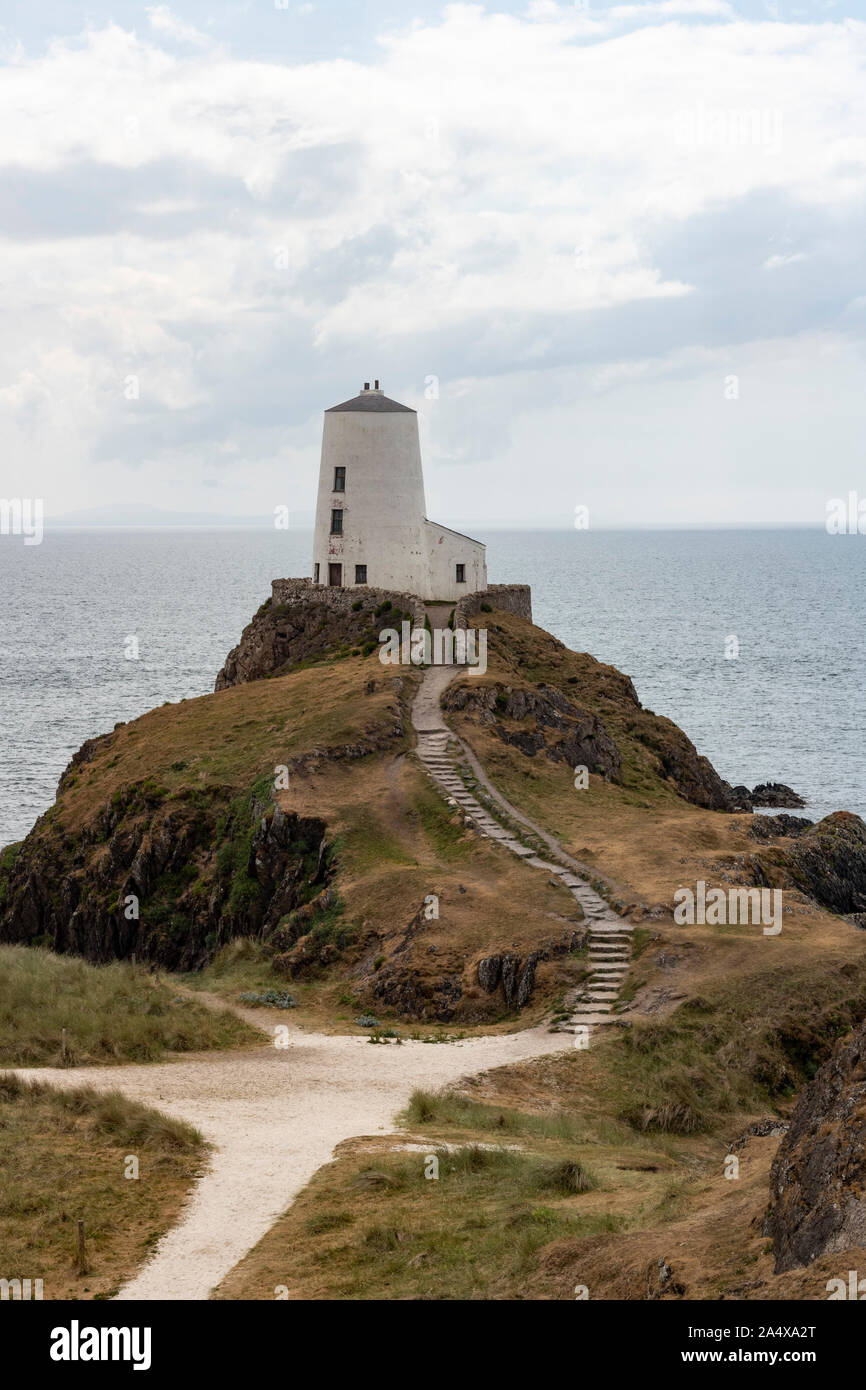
(111, 1013)
(164, 840)
(720, 1028)
(328, 877)
(69, 1152)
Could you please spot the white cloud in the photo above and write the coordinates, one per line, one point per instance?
(668, 9)
(163, 21)
(775, 262)
(484, 194)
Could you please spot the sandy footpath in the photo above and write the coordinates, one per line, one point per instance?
(275, 1116)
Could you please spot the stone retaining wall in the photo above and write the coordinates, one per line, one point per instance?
(512, 598)
(343, 600)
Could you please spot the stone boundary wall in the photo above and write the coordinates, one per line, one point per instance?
(512, 598)
(342, 600)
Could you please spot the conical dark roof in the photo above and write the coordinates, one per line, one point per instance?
(369, 400)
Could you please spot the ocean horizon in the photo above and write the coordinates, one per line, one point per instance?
(752, 641)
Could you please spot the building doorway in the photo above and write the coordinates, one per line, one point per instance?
(335, 576)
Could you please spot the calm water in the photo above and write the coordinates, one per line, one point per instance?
(659, 605)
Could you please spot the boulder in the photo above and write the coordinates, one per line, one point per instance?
(818, 1178)
(769, 827)
(828, 862)
(775, 794)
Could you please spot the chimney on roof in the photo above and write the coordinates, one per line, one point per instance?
(377, 383)
(366, 385)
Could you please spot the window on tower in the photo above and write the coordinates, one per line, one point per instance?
(360, 574)
(339, 480)
(461, 574)
(316, 572)
(337, 521)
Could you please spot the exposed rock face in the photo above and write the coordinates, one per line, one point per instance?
(550, 722)
(827, 862)
(301, 621)
(775, 794)
(310, 937)
(517, 976)
(584, 741)
(693, 775)
(818, 1178)
(741, 799)
(489, 973)
(768, 827)
(170, 878)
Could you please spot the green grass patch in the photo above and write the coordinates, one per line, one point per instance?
(111, 1013)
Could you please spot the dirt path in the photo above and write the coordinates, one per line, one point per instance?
(275, 1116)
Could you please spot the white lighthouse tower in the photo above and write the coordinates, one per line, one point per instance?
(371, 523)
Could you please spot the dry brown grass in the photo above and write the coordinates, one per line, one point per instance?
(372, 1226)
(109, 1013)
(63, 1155)
(228, 739)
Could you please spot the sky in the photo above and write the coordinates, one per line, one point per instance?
(613, 254)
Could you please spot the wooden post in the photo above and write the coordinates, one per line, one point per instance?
(82, 1262)
(63, 1044)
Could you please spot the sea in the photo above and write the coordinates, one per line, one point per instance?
(754, 642)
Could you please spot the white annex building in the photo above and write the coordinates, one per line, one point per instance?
(371, 523)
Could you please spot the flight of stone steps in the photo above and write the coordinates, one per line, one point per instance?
(609, 936)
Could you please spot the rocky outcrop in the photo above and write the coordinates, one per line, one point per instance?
(689, 772)
(305, 622)
(818, 1178)
(516, 976)
(770, 827)
(170, 878)
(775, 794)
(826, 862)
(428, 997)
(563, 731)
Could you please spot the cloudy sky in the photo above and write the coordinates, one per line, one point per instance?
(613, 254)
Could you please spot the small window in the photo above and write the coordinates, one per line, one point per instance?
(337, 521)
(461, 574)
(316, 572)
(339, 480)
(360, 574)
